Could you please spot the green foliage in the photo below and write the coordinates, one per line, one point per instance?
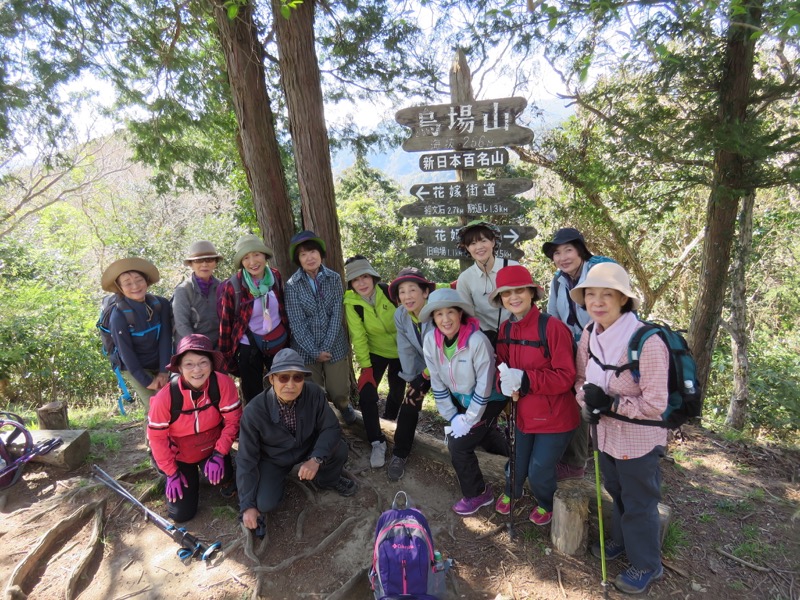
(675, 539)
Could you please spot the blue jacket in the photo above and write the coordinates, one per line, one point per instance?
(559, 301)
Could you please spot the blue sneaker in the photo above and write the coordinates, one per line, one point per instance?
(613, 550)
(634, 581)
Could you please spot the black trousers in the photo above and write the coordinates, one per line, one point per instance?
(253, 364)
(368, 397)
(186, 508)
(272, 478)
(462, 450)
(407, 419)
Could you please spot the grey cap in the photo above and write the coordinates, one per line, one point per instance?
(444, 298)
(288, 360)
(357, 268)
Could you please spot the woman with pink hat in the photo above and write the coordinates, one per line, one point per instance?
(536, 350)
(192, 424)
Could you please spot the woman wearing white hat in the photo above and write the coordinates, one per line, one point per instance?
(145, 347)
(460, 359)
(629, 452)
(194, 302)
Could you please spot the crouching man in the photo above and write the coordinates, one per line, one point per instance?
(289, 424)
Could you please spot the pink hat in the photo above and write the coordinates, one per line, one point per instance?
(196, 342)
(511, 278)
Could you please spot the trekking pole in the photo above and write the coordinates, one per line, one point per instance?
(125, 395)
(595, 447)
(191, 547)
(512, 462)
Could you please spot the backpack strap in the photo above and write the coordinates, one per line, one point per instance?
(540, 343)
(176, 398)
(385, 288)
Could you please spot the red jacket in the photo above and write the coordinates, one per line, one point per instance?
(548, 404)
(193, 437)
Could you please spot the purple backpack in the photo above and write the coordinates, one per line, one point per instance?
(403, 564)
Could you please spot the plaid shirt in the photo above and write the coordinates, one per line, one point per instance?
(233, 324)
(316, 317)
(288, 413)
(644, 400)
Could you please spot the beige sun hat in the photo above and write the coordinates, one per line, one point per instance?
(606, 275)
(108, 280)
(444, 298)
(201, 249)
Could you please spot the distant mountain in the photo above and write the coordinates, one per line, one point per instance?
(403, 166)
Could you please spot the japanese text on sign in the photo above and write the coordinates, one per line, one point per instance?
(472, 159)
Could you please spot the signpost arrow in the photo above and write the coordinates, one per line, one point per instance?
(485, 189)
(475, 208)
(450, 252)
(448, 236)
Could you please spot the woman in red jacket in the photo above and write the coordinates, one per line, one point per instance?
(542, 372)
(192, 424)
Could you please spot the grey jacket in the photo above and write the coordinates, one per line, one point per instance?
(194, 313)
(409, 343)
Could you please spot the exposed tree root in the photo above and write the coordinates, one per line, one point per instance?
(35, 556)
(308, 552)
(298, 528)
(83, 561)
(306, 490)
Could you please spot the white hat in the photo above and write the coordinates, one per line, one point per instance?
(606, 275)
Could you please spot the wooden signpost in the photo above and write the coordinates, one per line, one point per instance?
(473, 131)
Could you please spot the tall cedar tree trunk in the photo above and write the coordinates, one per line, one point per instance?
(303, 90)
(739, 326)
(727, 187)
(258, 144)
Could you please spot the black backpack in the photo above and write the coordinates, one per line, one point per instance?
(685, 397)
(176, 398)
(540, 343)
(107, 307)
(360, 309)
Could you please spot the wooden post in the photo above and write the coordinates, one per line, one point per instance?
(461, 93)
(53, 416)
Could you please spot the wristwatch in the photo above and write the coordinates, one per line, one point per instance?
(317, 460)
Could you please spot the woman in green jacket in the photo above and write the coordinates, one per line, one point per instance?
(370, 319)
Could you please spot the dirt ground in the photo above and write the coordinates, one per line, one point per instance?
(727, 497)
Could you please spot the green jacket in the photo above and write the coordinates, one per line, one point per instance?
(375, 333)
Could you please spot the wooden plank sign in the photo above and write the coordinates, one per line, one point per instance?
(485, 189)
(469, 159)
(442, 251)
(479, 124)
(510, 234)
(475, 208)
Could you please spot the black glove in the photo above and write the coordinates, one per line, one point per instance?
(588, 415)
(595, 397)
(417, 388)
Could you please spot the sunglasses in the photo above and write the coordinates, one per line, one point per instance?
(204, 260)
(285, 377)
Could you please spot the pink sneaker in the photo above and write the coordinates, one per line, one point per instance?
(565, 471)
(540, 516)
(468, 506)
(503, 505)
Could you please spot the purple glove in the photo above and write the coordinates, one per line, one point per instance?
(215, 468)
(175, 484)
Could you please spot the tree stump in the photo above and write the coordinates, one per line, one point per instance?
(69, 455)
(569, 531)
(53, 416)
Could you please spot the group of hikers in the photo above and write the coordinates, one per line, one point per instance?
(476, 344)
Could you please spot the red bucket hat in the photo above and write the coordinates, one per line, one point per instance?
(511, 278)
(196, 342)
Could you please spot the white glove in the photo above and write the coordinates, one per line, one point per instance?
(510, 379)
(460, 426)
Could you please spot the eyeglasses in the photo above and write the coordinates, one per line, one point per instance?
(204, 260)
(285, 377)
(190, 366)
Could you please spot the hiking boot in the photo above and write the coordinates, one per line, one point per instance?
(467, 506)
(228, 490)
(503, 504)
(397, 467)
(378, 457)
(635, 581)
(565, 471)
(613, 550)
(345, 487)
(540, 516)
(349, 415)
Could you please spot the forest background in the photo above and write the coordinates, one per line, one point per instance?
(680, 160)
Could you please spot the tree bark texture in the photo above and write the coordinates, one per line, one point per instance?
(258, 144)
(739, 326)
(727, 187)
(300, 79)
